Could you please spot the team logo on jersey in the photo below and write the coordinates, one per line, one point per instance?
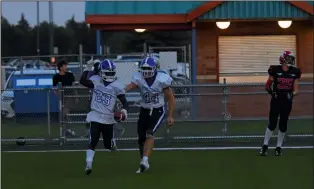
(279, 73)
(292, 75)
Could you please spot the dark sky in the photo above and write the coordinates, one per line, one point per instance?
(62, 11)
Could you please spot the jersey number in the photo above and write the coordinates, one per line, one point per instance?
(103, 98)
(285, 83)
(151, 98)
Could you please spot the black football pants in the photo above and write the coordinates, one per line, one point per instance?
(279, 107)
(94, 134)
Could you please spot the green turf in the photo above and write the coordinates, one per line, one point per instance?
(236, 169)
(10, 129)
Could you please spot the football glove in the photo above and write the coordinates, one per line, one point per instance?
(125, 113)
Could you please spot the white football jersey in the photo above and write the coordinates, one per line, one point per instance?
(104, 100)
(153, 96)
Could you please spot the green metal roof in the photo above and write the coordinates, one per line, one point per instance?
(255, 10)
(140, 7)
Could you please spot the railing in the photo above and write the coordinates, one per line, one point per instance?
(205, 115)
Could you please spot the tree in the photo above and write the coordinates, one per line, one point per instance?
(21, 39)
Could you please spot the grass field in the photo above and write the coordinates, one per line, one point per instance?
(219, 169)
(33, 129)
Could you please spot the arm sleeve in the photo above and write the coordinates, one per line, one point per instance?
(298, 73)
(85, 82)
(271, 71)
(167, 82)
(123, 101)
(135, 80)
(72, 78)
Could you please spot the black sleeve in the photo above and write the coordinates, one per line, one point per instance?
(123, 101)
(272, 70)
(55, 80)
(298, 73)
(86, 82)
(72, 77)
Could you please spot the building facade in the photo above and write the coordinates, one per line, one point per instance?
(232, 40)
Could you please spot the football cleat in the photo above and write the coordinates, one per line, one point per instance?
(144, 166)
(263, 151)
(139, 170)
(278, 151)
(88, 170)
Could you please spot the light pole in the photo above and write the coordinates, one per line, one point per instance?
(51, 28)
(38, 25)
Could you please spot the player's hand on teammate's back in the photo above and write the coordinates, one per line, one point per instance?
(170, 121)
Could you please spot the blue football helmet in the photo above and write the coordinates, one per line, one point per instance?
(107, 70)
(148, 67)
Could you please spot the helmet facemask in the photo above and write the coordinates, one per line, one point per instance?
(108, 75)
(148, 71)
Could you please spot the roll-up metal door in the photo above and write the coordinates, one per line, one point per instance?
(252, 54)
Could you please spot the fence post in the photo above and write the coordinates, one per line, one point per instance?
(60, 94)
(48, 112)
(227, 116)
(81, 57)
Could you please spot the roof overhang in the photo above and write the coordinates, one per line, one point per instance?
(164, 21)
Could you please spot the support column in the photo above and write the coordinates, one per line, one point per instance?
(194, 69)
(98, 46)
(194, 73)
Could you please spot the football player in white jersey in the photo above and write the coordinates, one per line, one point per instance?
(154, 87)
(106, 91)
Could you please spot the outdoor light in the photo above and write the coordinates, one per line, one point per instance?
(140, 30)
(285, 24)
(223, 25)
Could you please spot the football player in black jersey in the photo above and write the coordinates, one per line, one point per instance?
(282, 85)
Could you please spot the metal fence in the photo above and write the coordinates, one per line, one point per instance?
(205, 115)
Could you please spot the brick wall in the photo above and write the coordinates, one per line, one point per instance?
(257, 105)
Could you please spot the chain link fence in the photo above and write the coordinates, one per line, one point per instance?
(213, 115)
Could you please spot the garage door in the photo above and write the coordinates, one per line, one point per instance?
(252, 54)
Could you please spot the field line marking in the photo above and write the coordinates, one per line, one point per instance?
(163, 149)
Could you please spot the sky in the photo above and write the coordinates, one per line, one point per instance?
(62, 11)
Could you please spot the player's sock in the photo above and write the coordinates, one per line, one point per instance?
(145, 158)
(89, 157)
(280, 138)
(268, 135)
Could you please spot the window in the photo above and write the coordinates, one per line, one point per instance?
(25, 82)
(45, 82)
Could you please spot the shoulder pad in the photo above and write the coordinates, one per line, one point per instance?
(118, 84)
(163, 76)
(95, 78)
(272, 70)
(297, 72)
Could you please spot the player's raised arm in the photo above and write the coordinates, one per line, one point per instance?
(85, 81)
